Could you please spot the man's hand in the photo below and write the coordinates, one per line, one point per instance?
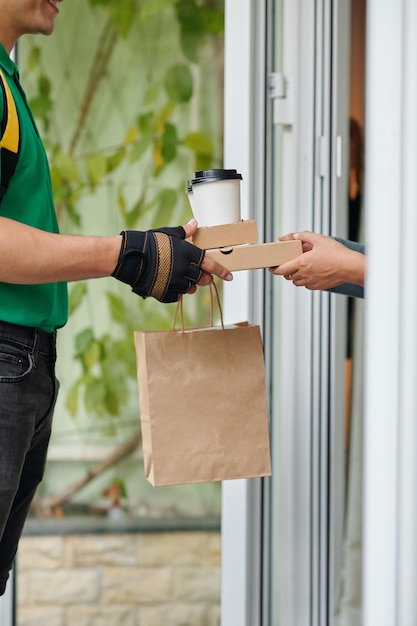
(161, 264)
(209, 266)
(324, 264)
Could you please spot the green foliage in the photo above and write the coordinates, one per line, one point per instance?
(198, 20)
(42, 105)
(76, 296)
(106, 365)
(107, 362)
(121, 13)
(202, 147)
(155, 141)
(179, 83)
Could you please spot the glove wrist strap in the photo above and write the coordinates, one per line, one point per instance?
(130, 265)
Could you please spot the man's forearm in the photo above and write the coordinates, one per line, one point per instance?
(31, 256)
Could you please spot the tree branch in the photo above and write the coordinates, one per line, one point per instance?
(115, 457)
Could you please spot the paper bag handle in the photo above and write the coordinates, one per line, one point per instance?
(179, 307)
(213, 286)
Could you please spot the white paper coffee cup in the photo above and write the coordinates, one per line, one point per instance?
(191, 200)
(215, 197)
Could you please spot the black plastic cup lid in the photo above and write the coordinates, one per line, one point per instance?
(205, 176)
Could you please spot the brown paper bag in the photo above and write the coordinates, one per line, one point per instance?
(203, 404)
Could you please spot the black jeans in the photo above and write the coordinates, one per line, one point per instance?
(28, 390)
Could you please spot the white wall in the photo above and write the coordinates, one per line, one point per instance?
(390, 503)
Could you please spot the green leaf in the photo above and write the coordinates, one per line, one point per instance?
(72, 398)
(123, 352)
(140, 148)
(121, 13)
(146, 123)
(44, 85)
(139, 208)
(83, 340)
(113, 401)
(67, 167)
(212, 18)
(165, 114)
(94, 397)
(179, 83)
(91, 356)
(72, 213)
(148, 8)
(76, 296)
(114, 160)
(121, 200)
(41, 106)
(34, 57)
(117, 308)
(197, 21)
(203, 162)
(96, 168)
(146, 126)
(169, 143)
(131, 135)
(199, 143)
(166, 201)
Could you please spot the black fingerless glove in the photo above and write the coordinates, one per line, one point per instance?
(158, 263)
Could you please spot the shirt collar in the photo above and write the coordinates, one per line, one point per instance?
(6, 62)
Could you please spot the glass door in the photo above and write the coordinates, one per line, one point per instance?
(286, 129)
(305, 332)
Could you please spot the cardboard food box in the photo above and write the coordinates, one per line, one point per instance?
(257, 256)
(209, 237)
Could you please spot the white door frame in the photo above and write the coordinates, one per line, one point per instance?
(241, 499)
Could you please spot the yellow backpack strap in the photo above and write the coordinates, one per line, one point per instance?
(9, 137)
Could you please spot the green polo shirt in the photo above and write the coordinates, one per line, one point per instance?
(29, 200)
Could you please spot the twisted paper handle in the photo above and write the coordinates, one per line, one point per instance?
(179, 307)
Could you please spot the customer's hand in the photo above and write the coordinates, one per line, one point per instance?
(324, 264)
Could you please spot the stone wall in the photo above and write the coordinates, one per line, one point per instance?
(159, 578)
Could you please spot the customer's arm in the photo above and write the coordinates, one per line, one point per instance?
(349, 288)
(326, 264)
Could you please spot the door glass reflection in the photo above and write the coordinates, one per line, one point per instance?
(348, 606)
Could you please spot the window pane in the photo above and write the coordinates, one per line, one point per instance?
(128, 98)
